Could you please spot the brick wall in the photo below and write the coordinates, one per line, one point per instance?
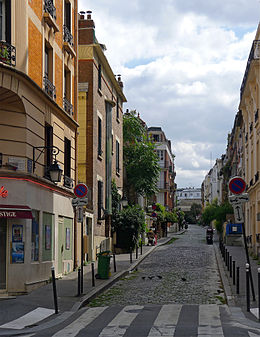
(35, 70)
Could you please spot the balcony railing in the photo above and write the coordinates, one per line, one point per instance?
(7, 53)
(50, 8)
(67, 36)
(253, 55)
(49, 87)
(68, 107)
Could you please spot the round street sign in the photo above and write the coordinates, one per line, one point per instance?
(153, 214)
(81, 190)
(237, 185)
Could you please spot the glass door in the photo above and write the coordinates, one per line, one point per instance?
(3, 229)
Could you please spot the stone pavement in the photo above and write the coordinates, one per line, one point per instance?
(234, 299)
(12, 308)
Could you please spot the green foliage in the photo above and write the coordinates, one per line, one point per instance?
(195, 210)
(116, 198)
(140, 160)
(171, 217)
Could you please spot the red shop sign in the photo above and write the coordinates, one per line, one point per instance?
(3, 192)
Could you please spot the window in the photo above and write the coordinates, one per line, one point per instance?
(156, 138)
(67, 14)
(117, 157)
(117, 108)
(67, 157)
(35, 236)
(48, 144)
(5, 21)
(48, 62)
(100, 199)
(99, 76)
(112, 141)
(99, 136)
(2, 20)
(67, 83)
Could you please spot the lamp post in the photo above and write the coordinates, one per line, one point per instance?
(54, 169)
(124, 202)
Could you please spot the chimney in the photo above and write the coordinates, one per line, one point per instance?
(120, 81)
(86, 29)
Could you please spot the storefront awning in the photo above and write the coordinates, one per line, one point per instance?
(15, 211)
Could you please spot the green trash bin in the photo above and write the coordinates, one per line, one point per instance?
(104, 264)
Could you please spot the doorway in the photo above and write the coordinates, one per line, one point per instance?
(3, 231)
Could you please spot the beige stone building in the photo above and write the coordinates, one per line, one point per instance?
(101, 101)
(38, 112)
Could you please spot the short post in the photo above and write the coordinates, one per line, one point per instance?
(131, 257)
(136, 251)
(258, 294)
(93, 273)
(228, 261)
(247, 288)
(237, 280)
(114, 260)
(234, 272)
(79, 281)
(230, 266)
(54, 290)
(141, 248)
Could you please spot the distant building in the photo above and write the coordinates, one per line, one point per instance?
(185, 197)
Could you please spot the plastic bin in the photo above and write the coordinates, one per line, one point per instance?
(104, 264)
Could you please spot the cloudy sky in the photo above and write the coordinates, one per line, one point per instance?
(182, 64)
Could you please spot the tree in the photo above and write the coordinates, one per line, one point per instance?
(192, 215)
(140, 160)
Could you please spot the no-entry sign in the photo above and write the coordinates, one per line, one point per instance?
(237, 185)
(81, 190)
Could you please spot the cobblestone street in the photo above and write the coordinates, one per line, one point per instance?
(184, 271)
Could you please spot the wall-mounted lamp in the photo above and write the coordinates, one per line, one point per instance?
(124, 201)
(54, 169)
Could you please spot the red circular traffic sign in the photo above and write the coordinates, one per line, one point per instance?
(81, 190)
(237, 185)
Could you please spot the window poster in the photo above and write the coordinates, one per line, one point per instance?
(67, 238)
(47, 237)
(17, 233)
(17, 252)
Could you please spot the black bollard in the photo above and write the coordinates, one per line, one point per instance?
(247, 289)
(225, 256)
(234, 272)
(237, 280)
(114, 260)
(93, 273)
(131, 257)
(79, 276)
(54, 290)
(136, 252)
(258, 294)
(230, 266)
(141, 249)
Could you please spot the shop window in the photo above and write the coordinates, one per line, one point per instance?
(35, 237)
(100, 199)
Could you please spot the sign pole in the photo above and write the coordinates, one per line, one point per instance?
(82, 254)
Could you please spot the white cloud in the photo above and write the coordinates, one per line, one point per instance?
(182, 63)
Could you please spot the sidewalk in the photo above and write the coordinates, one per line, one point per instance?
(13, 308)
(239, 300)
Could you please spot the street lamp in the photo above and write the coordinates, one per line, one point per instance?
(124, 201)
(54, 169)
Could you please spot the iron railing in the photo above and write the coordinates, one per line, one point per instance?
(50, 8)
(67, 36)
(253, 55)
(49, 88)
(7, 53)
(68, 107)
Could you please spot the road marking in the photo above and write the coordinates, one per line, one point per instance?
(118, 326)
(254, 311)
(85, 319)
(166, 321)
(209, 321)
(30, 318)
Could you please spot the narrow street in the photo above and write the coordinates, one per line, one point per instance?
(176, 291)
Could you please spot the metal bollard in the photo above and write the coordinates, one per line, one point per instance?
(114, 260)
(258, 294)
(234, 272)
(228, 261)
(136, 252)
(141, 248)
(54, 290)
(131, 257)
(230, 266)
(93, 273)
(79, 281)
(247, 289)
(238, 280)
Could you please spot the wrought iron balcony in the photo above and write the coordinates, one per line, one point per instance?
(7, 53)
(67, 36)
(50, 8)
(253, 55)
(68, 107)
(49, 88)
(256, 176)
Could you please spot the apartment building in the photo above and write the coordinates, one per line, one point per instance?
(187, 196)
(249, 105)
(38, 112)
(165, 184)
(101, 101)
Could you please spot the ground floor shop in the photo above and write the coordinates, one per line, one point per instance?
(36, 233)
